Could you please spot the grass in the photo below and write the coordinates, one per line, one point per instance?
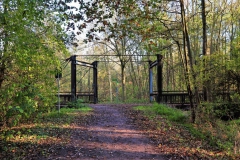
(49, 129)
(223, 134)
(171, 114)
(45, 126)
(65, 116)
(66, 112)
(216, 133)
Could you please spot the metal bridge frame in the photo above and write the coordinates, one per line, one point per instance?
(94, 65)
(168, 97)
(157, 63)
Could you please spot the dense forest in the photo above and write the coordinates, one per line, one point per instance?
(199, 42)
(197, 39)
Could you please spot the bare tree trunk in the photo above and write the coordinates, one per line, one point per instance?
(120, 53)
(123, 82)
(110, 83)
(189, 68)
(204, 48)
(3, 60)
(2, 73)
(133, 76)
(172, 74)
(168, 73)
(140, 83)
(109, 78)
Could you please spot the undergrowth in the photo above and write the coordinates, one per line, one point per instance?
(35, 138)
(44, 127)
(220, 133)
(76, 104)
(223, 135)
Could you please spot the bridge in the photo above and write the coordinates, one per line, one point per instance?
(167, 97)
(180, 98)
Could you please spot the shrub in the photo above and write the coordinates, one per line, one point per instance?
(76, 104)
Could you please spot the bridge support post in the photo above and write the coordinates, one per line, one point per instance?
(150, 81)
(95, 82)
(159, 78)
(73, 78)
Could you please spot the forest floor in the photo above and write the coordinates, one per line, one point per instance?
(108, 132)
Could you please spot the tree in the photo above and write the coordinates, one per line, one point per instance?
(195, 32)
(30, 52)
(204, 45)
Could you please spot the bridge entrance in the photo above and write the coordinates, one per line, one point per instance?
(79, 81)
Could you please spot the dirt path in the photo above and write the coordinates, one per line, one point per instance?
(109, 132)
(109, 136)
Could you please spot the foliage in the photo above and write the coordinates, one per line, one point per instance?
(216, 122)
(30, 51)
(156, 26)
(76, 104)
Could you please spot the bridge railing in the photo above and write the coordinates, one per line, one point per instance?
(174, 97)
(182, 97)
(65, 97)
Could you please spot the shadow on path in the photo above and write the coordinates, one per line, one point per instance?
(109, 136)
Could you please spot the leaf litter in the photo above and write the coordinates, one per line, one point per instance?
(108, 132)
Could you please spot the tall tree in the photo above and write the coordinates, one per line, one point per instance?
(190, 73)
(31, 42)
(204, 44)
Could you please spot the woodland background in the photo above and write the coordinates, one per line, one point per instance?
(199, 41)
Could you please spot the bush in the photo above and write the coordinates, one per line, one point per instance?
(227, 111)
(220, 110)
(76, 104)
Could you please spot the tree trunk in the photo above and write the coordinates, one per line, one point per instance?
(110, 84)
(109, 79)
(123, 82)
(204, 48)
(189, 68)
(133, 77)
(2, 72)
